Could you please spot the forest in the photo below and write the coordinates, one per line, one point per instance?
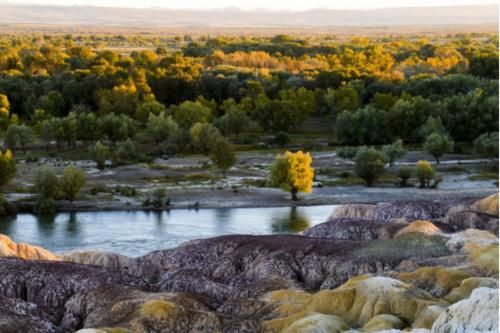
(181, 93)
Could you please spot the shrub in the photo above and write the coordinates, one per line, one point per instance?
(126, 151)
(370, 164)
(404, 173)
(282, 139)
(347, 152)
(159, 196)
(486, 145)
(425, 173)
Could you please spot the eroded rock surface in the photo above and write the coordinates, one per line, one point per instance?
(8, 248)
(385, 267)
(478, 313)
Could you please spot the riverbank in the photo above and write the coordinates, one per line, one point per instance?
(196, 198)
(191, 184)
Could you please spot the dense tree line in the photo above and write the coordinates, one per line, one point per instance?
(72, 89)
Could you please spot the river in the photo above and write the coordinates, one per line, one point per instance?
(135, 233)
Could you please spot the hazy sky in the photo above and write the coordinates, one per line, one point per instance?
(252, 4)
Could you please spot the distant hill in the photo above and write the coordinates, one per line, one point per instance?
(230, 17)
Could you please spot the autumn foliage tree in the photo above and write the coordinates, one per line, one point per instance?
(293, 173)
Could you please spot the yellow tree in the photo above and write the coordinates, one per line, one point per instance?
(293, 173)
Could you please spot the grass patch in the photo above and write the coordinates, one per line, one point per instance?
(452, 168)
(484, 175)
(252, 182)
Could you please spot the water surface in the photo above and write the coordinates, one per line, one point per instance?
(135, 233)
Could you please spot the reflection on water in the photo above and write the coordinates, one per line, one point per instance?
(138, 232)
(294, 222)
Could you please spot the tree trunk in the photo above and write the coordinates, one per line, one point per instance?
(294, 194)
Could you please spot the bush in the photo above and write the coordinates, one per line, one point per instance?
(281, 139)
(347, 152)
(126, 151)
(425, 173)
(159, 196)
(486, 145)
(127, 191)
(370, 164)
(404, 173)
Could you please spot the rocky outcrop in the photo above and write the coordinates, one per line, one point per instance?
(488, 205)
(355, 229)
(50, 286)
(450, 216)
(410, 211)
(438, 281)
(478, 313)
(358, 301)
(457, 241)
(419, 226)
(8, 248)
(349, 274)
(467, 286)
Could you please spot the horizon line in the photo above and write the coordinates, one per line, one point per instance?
(236, 8)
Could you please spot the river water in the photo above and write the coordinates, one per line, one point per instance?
(135, 233)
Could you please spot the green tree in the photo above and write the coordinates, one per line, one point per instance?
(100, 153)
(222, 155)
(126, 151)
(46, 187)
(161, 127)
(189, 113)
(234, 121)
(486, 145)
(432, 125)
(369, 164)
(293, 173)
(425, 173)
(345, 98)
(204, 136)
(117, 127)
(394, 151)
(438, 144)
(72, 181)
(147, 108)
(18, 135)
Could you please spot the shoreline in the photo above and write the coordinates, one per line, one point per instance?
(196, 199)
